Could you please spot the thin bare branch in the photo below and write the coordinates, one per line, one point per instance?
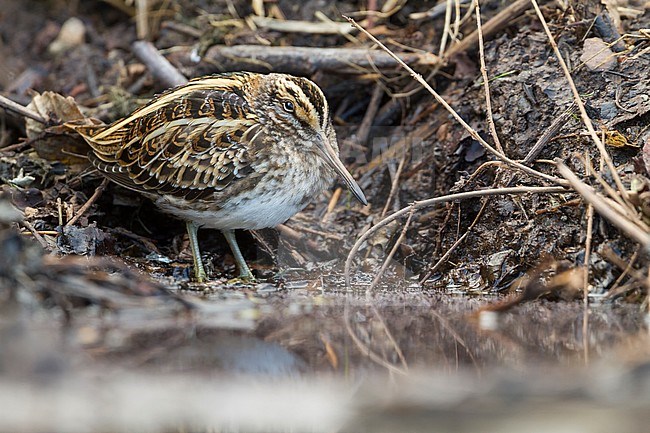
(158, 65)
(299, 60)
(23, 111)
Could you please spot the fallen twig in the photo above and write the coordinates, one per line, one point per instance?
(300, 60)
(325, 234)
(550, 132)
(445, 256)
(366, 123)
(159, 66)
(627, 266)
(41, 240)
(23, 111)
(91, 200)
(296, 237)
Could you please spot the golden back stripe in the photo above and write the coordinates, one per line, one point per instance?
(164, 99)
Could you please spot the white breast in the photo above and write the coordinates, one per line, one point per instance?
(270, 203)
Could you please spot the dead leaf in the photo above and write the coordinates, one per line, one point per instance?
(54, 141)
(53, 107)
(616, 139)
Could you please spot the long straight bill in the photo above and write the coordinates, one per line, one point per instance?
(338, 166)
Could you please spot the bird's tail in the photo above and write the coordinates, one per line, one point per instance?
(93, 135)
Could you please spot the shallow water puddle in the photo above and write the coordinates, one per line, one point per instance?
(303, 359)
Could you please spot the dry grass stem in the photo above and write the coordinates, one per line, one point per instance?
(394, 187)
(585, 288)
(495, 24)
(297, 26)
(142, 19)
(447, 29)
(332, 203)
(486, 82)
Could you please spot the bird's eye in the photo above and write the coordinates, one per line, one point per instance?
(288, 106)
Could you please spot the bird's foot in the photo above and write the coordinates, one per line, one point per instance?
(242, 279)
(200, 277)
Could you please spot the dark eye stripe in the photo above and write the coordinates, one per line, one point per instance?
(317, 99)
(293, 93)
(325, 115)
(314, 95)
(307, 96)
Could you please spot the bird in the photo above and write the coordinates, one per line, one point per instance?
(238, 150)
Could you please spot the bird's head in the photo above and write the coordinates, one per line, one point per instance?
(290, 105)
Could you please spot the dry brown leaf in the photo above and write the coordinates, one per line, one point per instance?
(616, 139)
(54, 141)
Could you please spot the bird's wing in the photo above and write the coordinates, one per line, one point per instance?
(190, 141)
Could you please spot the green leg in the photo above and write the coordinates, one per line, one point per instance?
(199, 270)
(244, 272)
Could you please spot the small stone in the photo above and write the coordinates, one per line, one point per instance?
(72, 34)
(597, 55)
(608, 110)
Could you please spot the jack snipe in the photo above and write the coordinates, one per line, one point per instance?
(230, 151)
